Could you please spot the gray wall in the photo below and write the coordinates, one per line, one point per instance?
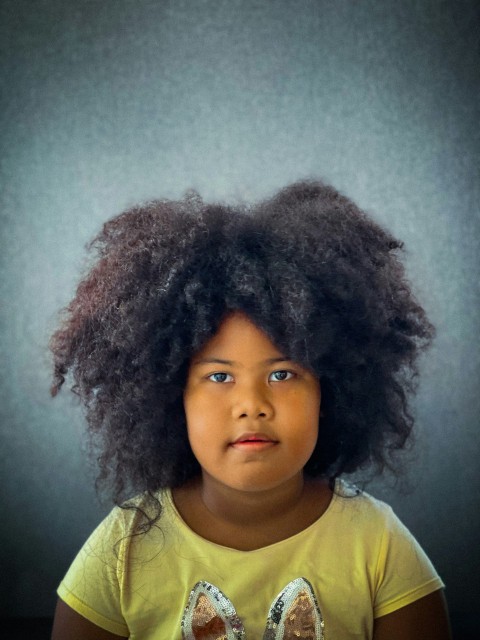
(107, 103)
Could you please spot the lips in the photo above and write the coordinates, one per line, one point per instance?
(248, 441)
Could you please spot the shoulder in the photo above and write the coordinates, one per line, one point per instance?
(352, 501)
(370, 518)
(141, 508)
(121, 536)
(400, 569)
(137, 515)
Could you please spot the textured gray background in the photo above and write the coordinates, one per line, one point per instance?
(107, 103)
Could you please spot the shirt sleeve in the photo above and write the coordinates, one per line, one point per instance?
(404, 572)
(92, 585)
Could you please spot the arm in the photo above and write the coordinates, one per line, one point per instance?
(425, 619)
(70, 625)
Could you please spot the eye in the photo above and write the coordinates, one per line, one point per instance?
(281, 375)
(220, 377)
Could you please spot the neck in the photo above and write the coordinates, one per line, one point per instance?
(247, 520)
(256, 507)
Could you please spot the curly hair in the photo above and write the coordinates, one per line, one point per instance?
(310, 269)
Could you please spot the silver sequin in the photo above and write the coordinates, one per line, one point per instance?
(210, 615)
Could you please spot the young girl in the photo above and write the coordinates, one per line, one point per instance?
(233, 363)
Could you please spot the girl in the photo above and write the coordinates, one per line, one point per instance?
(234, 363)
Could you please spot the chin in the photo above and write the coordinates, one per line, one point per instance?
(257, 485)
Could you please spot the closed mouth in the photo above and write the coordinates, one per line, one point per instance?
(251, 440)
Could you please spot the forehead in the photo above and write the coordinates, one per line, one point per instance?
(238, 336)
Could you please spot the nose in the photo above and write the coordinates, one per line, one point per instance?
(252, 402)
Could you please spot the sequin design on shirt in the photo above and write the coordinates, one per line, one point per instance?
(210, 615)
(294, 614)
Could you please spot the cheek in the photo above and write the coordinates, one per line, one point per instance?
(306, 406)
(192, 406)
(314, 404)
(197, 407)
(309, 410)
(200, 418)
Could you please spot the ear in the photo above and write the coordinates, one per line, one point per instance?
(295, 614)
(210, 615)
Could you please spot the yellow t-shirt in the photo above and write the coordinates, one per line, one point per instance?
(357, 562)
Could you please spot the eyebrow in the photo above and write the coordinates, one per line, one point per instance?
(231, 363)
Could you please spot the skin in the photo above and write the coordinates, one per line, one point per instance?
(425, 619)
(253, 421)
(69, 625)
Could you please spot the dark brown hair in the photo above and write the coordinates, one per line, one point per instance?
(310, 269)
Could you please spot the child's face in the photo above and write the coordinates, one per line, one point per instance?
(252, 415)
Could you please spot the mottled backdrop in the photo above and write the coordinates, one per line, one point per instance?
(106, 103)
